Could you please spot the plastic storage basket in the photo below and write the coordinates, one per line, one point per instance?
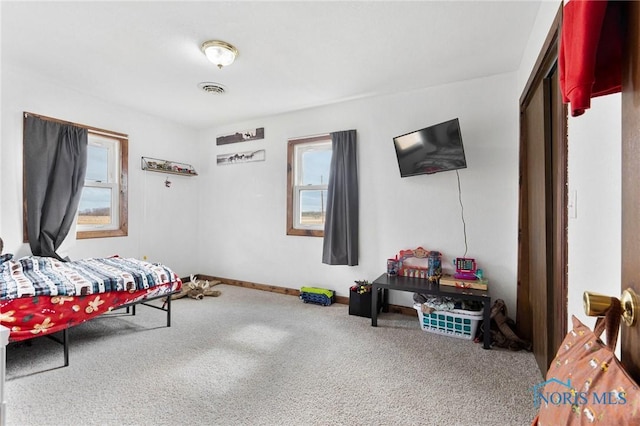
(457, 323)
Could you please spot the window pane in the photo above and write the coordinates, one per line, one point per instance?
(95, 206)
(315, 167)
(312, 207)
(97, 163)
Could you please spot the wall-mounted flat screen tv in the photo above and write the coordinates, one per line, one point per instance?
(434, 149)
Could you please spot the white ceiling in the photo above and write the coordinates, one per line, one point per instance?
(293, 55)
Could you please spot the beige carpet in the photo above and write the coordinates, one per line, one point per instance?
(255, 358)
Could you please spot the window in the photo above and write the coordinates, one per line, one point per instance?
(103, 206)
(309, 162)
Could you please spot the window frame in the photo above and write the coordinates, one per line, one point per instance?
(294, 173)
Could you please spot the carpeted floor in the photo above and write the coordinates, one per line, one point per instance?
(255, 358)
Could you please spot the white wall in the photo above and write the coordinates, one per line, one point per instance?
(544, 19)
(161, 220)
(595, 177)
(244, 210)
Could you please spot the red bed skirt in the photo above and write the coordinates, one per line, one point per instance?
(36, 316)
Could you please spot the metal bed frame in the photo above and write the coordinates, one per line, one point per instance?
(130, 309)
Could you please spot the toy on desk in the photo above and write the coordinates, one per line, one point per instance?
(466, 268)
(435, 266)
(392, 266)
(319, 296)
(420, 263)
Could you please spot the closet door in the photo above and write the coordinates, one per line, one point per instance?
(542, 258)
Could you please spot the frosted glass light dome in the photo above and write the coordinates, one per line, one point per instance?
(219, 52)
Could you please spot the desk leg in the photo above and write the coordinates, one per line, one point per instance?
(385, 300)
(374, 306)
(486, 323)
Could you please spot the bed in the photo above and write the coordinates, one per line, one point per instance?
(43, 296)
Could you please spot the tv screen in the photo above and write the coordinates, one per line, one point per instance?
(434, 149)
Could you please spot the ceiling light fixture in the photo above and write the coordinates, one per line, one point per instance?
(219, 52)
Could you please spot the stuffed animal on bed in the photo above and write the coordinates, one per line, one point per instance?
(197, 289)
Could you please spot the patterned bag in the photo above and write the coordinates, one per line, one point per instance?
(586, 383)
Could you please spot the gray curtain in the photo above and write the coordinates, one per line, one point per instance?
(341, 223)
(55, 163)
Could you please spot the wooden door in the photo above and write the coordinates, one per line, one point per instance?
(542, 249)
(630, 341)
(538, 207)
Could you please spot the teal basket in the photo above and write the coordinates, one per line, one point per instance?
(457, 323)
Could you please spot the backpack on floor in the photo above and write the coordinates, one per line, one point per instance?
(502, 334)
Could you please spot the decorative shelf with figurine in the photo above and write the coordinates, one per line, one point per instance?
(165, 166)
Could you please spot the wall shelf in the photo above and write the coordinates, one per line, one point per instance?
(165, 166)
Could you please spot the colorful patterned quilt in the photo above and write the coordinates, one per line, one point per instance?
(41, 295)
(45, 276)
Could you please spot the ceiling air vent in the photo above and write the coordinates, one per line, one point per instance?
(215, 88)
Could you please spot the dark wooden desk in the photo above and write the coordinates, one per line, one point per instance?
(420, 285)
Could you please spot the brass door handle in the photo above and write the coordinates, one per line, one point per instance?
(596, 304)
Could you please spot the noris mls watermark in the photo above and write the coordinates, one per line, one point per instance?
(573, 397)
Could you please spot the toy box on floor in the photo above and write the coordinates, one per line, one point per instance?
(319, 296)
(360, 299)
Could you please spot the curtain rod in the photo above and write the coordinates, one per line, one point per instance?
(318, 136)
(91, 129)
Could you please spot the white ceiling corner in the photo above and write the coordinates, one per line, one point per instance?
(293, 55)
